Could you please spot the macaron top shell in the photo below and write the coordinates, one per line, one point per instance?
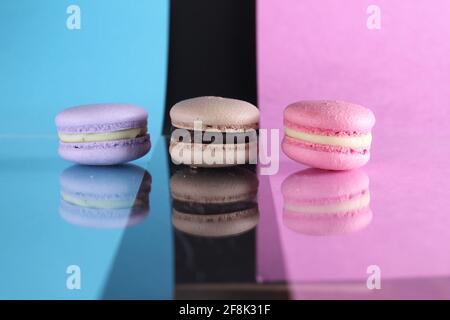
(214, 186)
(101, 118)
(313, 184)
(330, 115)
(215, 113)
(220, 225)
(327, 225)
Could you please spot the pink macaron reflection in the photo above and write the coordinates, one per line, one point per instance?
(320, 202)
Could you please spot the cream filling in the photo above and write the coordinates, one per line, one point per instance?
(101, 204)
(350, 205)
(102, 136)
(350, 142)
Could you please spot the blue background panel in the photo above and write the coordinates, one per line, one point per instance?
(118, 55)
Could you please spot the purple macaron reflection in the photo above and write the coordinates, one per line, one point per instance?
(104, 197)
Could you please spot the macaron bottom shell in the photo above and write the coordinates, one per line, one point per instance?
(207, 155)
(325, 158)
(105, 152)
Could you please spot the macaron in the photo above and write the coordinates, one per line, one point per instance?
(104, 196)
(325, 134)
(214, 202)
(102, 134)
(321, 202)
(214, 132)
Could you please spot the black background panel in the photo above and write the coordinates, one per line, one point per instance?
(212, 51)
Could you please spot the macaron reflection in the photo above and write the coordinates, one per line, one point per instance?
(319, 202)
(217, 202)
(104, 197)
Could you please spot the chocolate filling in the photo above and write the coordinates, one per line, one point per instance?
(212, 208)
(209, 137)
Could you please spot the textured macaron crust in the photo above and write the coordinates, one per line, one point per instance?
(214, 226)
(214, 203)
(215, 132)
(333, 135)
(319, 202)
(217, 113)
(102, 134)
(104, 197)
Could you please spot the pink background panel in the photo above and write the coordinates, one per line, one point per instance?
(309, 49)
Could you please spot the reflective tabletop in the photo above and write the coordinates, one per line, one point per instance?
(60, 240)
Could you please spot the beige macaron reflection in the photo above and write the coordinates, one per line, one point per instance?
(217, 202)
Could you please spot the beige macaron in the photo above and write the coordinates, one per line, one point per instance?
(214, 203)
(214, 132)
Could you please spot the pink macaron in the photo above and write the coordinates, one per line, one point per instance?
(332, 135)
(321, 202)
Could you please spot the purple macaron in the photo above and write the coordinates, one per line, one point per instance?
(102, 134)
